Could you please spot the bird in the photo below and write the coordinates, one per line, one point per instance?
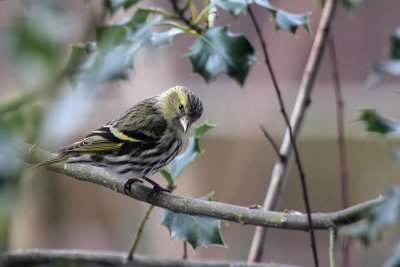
(140, 141)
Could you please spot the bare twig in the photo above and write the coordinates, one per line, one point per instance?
(185, 252)
(272, 141)
(340, 117)
(139, 232)
(52, 257)
(292, 141)
(243, 215)
(302, 102)
(181, 15)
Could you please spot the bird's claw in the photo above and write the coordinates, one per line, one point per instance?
(155, 190)
(128, 184)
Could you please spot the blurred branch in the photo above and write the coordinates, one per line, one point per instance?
(332, 246)
(14, 102)
(340, 117)
(52, 257)
(243, 215)
(303, 100)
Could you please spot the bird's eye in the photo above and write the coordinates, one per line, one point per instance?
(180, 106)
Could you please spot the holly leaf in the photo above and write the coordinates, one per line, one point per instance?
(166, 37)
(115, 48)
(283, 20)
(191, 152)
(390, 66)
(198, 231)
(235, 7)
(375, 123)
(394, 40)
(350, 4)
(286, 20)
(221, 51)
(114, 5)
(377, 219)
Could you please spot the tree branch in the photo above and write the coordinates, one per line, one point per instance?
(218, 210)
(293, 142)
(303, 100)
(50, 257)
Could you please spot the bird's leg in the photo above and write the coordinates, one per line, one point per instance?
(128, 184)
(156, 188)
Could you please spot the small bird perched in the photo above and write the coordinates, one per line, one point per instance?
(140, 141)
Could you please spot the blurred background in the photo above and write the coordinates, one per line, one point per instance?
(42, 209)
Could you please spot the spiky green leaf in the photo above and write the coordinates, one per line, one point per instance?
(350, 4)
(286, 20)
(377, 219)
(166, 37)
(390, 66)
(235, 7)
(196, 230)
(116, 46)
(221, 51)
(377, 124)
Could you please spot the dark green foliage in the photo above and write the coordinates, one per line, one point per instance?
(390, 66)
(285, 20)
(196, 230)
(221, 51)
(394, 40)
(114, 50)
(375, 123)
(378, 218)
(350, 4)
(234, 7)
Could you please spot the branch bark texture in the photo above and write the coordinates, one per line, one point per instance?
(218, 210)
(48, 257)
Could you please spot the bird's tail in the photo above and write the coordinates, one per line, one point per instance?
(57, 159)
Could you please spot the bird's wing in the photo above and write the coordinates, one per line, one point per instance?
(140, 126)
(141, 123)
(90, 144)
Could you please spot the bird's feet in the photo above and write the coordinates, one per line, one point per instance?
(156, 188)
(128, 184)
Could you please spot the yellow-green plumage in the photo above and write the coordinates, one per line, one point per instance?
(141, 140)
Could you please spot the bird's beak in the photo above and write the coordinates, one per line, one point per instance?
(185, 122)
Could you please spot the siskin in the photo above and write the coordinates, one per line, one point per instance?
(140, 141)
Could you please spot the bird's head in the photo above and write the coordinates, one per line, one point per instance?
(181, 107)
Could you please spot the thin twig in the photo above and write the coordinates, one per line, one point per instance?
(181, 14)
(292, 138)
(332, 246)
(272, 142)
(53, 257)
(139, 232)
(340, 117)
(302, 102)
(185, 252)
(213, 209)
